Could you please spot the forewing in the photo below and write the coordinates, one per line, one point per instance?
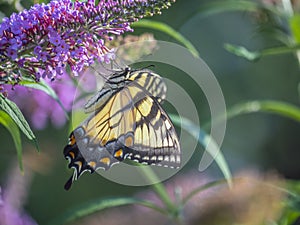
(146, 80)
(150, 82)
(155, 138)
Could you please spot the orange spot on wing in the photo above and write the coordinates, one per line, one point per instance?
(119, 153)
(72, 140)
(72, 155)
(79, 163)
(92, 164)
(129, 141)
(105, 160)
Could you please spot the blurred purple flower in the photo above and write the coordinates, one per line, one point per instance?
(11, 216)
(179, 186)
(44, 39)
(1, 199)
(12, 198)
(40, 107)
(253, 200)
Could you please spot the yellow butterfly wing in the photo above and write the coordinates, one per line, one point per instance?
(146, 80)
(128, 123)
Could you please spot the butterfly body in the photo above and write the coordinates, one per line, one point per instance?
(126, 122)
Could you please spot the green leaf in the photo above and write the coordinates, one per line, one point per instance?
(204, 139)
(11, 126)
(216, 7)
(288, 217)
(291, 210)
(255, 55)
(275, 107)
(294, 203)
(242, 52)
(269, 106)
(43, 86)
(293, 189)
(295, 28)
(14, 112)
(169, 31)
(98, 205)
(266, 106)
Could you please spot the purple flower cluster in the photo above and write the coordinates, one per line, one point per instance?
(42, 41)
(39, 113)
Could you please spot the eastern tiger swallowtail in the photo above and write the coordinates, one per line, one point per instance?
(126, 122)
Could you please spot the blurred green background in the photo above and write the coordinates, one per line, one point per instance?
(256, 141)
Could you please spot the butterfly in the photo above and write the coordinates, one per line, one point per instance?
(126, 122)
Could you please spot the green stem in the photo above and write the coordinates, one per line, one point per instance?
(159, 189)
(161, 192)
(268, 106)
(279, 50)
(255, 55)
(169, 31)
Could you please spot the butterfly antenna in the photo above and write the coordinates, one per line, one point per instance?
(113, 67)
(147, 67)
(105, 77)
(119, 63)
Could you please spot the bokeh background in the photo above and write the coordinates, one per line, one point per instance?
(255, 141)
